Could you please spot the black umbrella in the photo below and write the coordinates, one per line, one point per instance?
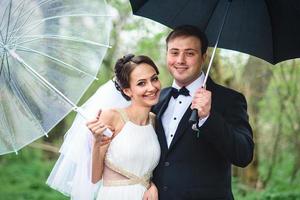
(267, 29)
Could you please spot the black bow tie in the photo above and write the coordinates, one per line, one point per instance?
(183, 91)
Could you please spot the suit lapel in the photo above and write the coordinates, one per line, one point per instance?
(182, 126)
(159, 128)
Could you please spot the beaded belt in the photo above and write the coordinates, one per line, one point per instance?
(132, 178)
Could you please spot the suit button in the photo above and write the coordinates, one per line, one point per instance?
(167, 164)
(165, 188)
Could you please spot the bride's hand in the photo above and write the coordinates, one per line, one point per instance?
(97, 128)
(151, 193)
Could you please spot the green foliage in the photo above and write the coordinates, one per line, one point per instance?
(280, 190)
(23, 176)
(153, 45)
(269, 194)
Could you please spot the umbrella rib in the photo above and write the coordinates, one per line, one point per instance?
(3, 60)
(8, 21)
(2, 64)
(37, 23)
(29, 12)
(8, 67)
(21, 98)
(1, 37)
(26, 20)
(41, 78)
(32, 9)
(181, 10)
(60, 37)
(12, 138)
(273, 56)
(70, 15)
(139, 5)
(10, 4)
(215, 7)
(3, 15)
(22, 3)
(18, 17)
(11, 142)
(22, 48)
(47, 84)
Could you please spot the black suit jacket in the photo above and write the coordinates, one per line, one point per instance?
(200, 167)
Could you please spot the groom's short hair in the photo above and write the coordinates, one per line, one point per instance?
(189, 30)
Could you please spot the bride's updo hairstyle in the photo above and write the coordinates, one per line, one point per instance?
(123, 68)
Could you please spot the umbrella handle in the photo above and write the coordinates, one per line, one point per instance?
(194, 117)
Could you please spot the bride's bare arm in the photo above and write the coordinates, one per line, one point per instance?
(100, 144)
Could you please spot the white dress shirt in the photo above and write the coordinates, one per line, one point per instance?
(177, 107)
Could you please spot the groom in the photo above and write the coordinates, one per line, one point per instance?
(197, 164)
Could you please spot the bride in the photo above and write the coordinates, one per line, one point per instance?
(122, 164)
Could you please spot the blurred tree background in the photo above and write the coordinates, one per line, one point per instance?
(271, 92)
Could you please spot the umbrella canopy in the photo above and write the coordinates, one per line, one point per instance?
(51, 51)
(267, 29)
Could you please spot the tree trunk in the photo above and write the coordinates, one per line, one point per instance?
(256, 77)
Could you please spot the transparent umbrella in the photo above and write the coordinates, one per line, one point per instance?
(51, 51)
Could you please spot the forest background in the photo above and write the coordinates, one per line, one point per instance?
(272, 93)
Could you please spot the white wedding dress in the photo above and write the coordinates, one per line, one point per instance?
(133, 153)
